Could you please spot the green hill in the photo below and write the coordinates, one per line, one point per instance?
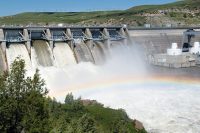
(180, 13)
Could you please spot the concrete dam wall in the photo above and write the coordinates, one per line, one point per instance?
(174, 48)
(158, 40)
(58, 46)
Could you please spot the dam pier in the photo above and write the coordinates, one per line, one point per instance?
(58, 46)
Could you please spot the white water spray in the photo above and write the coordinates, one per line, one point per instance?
(18, 50)
(163, 108)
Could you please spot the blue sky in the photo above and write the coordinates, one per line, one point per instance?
(10, 7)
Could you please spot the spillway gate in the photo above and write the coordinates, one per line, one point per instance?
(85, 43)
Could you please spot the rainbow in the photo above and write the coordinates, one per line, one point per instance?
(146, 81)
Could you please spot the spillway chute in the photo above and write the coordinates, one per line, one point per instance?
(63, 54)
(98, 43)
(82, 52)
(98, 52)
(60, 46)
(15, 50)
(43, 54)
(80, 48)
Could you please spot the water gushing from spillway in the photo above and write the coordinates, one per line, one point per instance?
(63, 54)
(98, 53)
(41, 54)
(18, 50)
(163, 101)
(82, 53)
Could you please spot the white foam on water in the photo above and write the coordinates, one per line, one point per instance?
(162, 107)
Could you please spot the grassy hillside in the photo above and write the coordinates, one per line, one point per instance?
(180, 13)
(64, 117)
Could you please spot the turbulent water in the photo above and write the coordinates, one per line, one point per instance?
(98, 53)
(116, 43)
(42, 54)
(18, 50)
(82, 53)
(163, 108)
(63, 55)
(161, 98)
(164, 100)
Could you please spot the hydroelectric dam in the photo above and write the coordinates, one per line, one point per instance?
(58, 46)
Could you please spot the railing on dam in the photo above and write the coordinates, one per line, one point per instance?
(77, 33)
(114, 34)
(97, 34)
(36, 35)
(59, 35)
(13, 35)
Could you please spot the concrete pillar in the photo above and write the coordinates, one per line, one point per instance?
(88, 33)
(90, 41)
(1, 35)
(28, 40)
(2, 40)
(128, 36)
(105, 32)
(107, 40)
(68, 32)
(70, 42)
(3, 46)
(90, 44)
(122, 32)
(48, 33)
(49, 37)
(26, 35)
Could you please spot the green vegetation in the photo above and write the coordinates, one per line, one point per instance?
(184, 12)
(22, 102)
(25, 107)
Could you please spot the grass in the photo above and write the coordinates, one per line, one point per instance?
(54, 17)
(132, 16)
